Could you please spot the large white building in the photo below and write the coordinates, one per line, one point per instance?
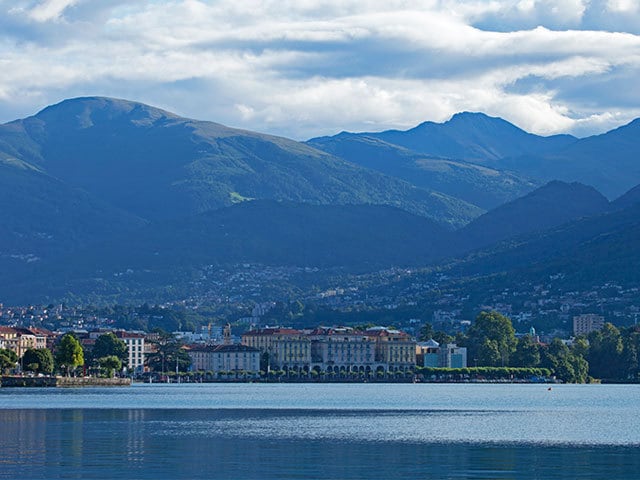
(342, 349)
(230, 359)
(286, 348)
(135, 350)
(335, 349)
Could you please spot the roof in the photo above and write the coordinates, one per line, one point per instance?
(233, 348)
(384, 332)
(125, 334)
(236, 347)
(274, 331)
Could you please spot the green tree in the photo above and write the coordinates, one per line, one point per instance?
(489, 353)
(8, 359)
(39, 360)
(169, 353)
(566, 365)
(490, 333)
(605, 353)
(426, 332)
(69, 353)
(264, 362)
(442, 338)
(110, 364)
(108, 345)
(580, 347)
(631, 353)
(527, 353)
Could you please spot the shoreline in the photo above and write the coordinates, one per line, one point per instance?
(16, 381)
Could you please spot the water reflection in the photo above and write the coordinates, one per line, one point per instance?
(248, 444)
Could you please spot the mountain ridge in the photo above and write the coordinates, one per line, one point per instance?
(606, 161)
(551, 205)
(156, 165)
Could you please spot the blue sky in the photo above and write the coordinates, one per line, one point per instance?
(303, 68)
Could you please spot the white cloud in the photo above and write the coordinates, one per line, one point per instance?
(49, 10)
(304, 68)
(623, 6)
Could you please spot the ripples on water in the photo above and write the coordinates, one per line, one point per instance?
(322, 431)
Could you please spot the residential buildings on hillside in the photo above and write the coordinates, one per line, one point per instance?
(587, 323)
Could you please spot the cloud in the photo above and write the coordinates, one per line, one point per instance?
(50, 10)
(304, 68)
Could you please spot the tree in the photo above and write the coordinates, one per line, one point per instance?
(527, 353)
(605, 353)
(39, 360)
(566, 365)
(169, 353)
(489, 353)
(8, 359)
(442, 338)
(110, 364)
(108, 345)
(264, 362)
(491, 332)
(426, 332)
(69, 353)
(580, 347)
(631, 342)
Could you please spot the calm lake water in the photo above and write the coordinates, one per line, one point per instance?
(329, 431)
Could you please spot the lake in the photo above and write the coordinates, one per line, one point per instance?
(329, 431)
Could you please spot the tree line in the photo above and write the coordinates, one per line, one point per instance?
(609, 354)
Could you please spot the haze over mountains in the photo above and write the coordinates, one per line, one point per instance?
(101, 185)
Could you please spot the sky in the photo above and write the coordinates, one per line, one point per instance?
(304, 68)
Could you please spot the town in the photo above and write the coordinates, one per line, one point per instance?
(38, 340)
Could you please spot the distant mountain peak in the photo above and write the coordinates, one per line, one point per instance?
(466, 115)
(479, 119)
(88, 111)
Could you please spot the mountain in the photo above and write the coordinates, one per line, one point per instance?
(42, 216)
(609, 162)
(553, 204)
(473, 137)
(267, 232)
(286, 233)
(593, 249)
(156, 165)
(630, 198)
(477, 184)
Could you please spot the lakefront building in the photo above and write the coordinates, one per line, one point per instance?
(395, 349)
(334, 349)
(285, 348)
(135, 349)
(432, 354)
(342, 349)
(234, 359)
(428, 353)
(20, 339)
